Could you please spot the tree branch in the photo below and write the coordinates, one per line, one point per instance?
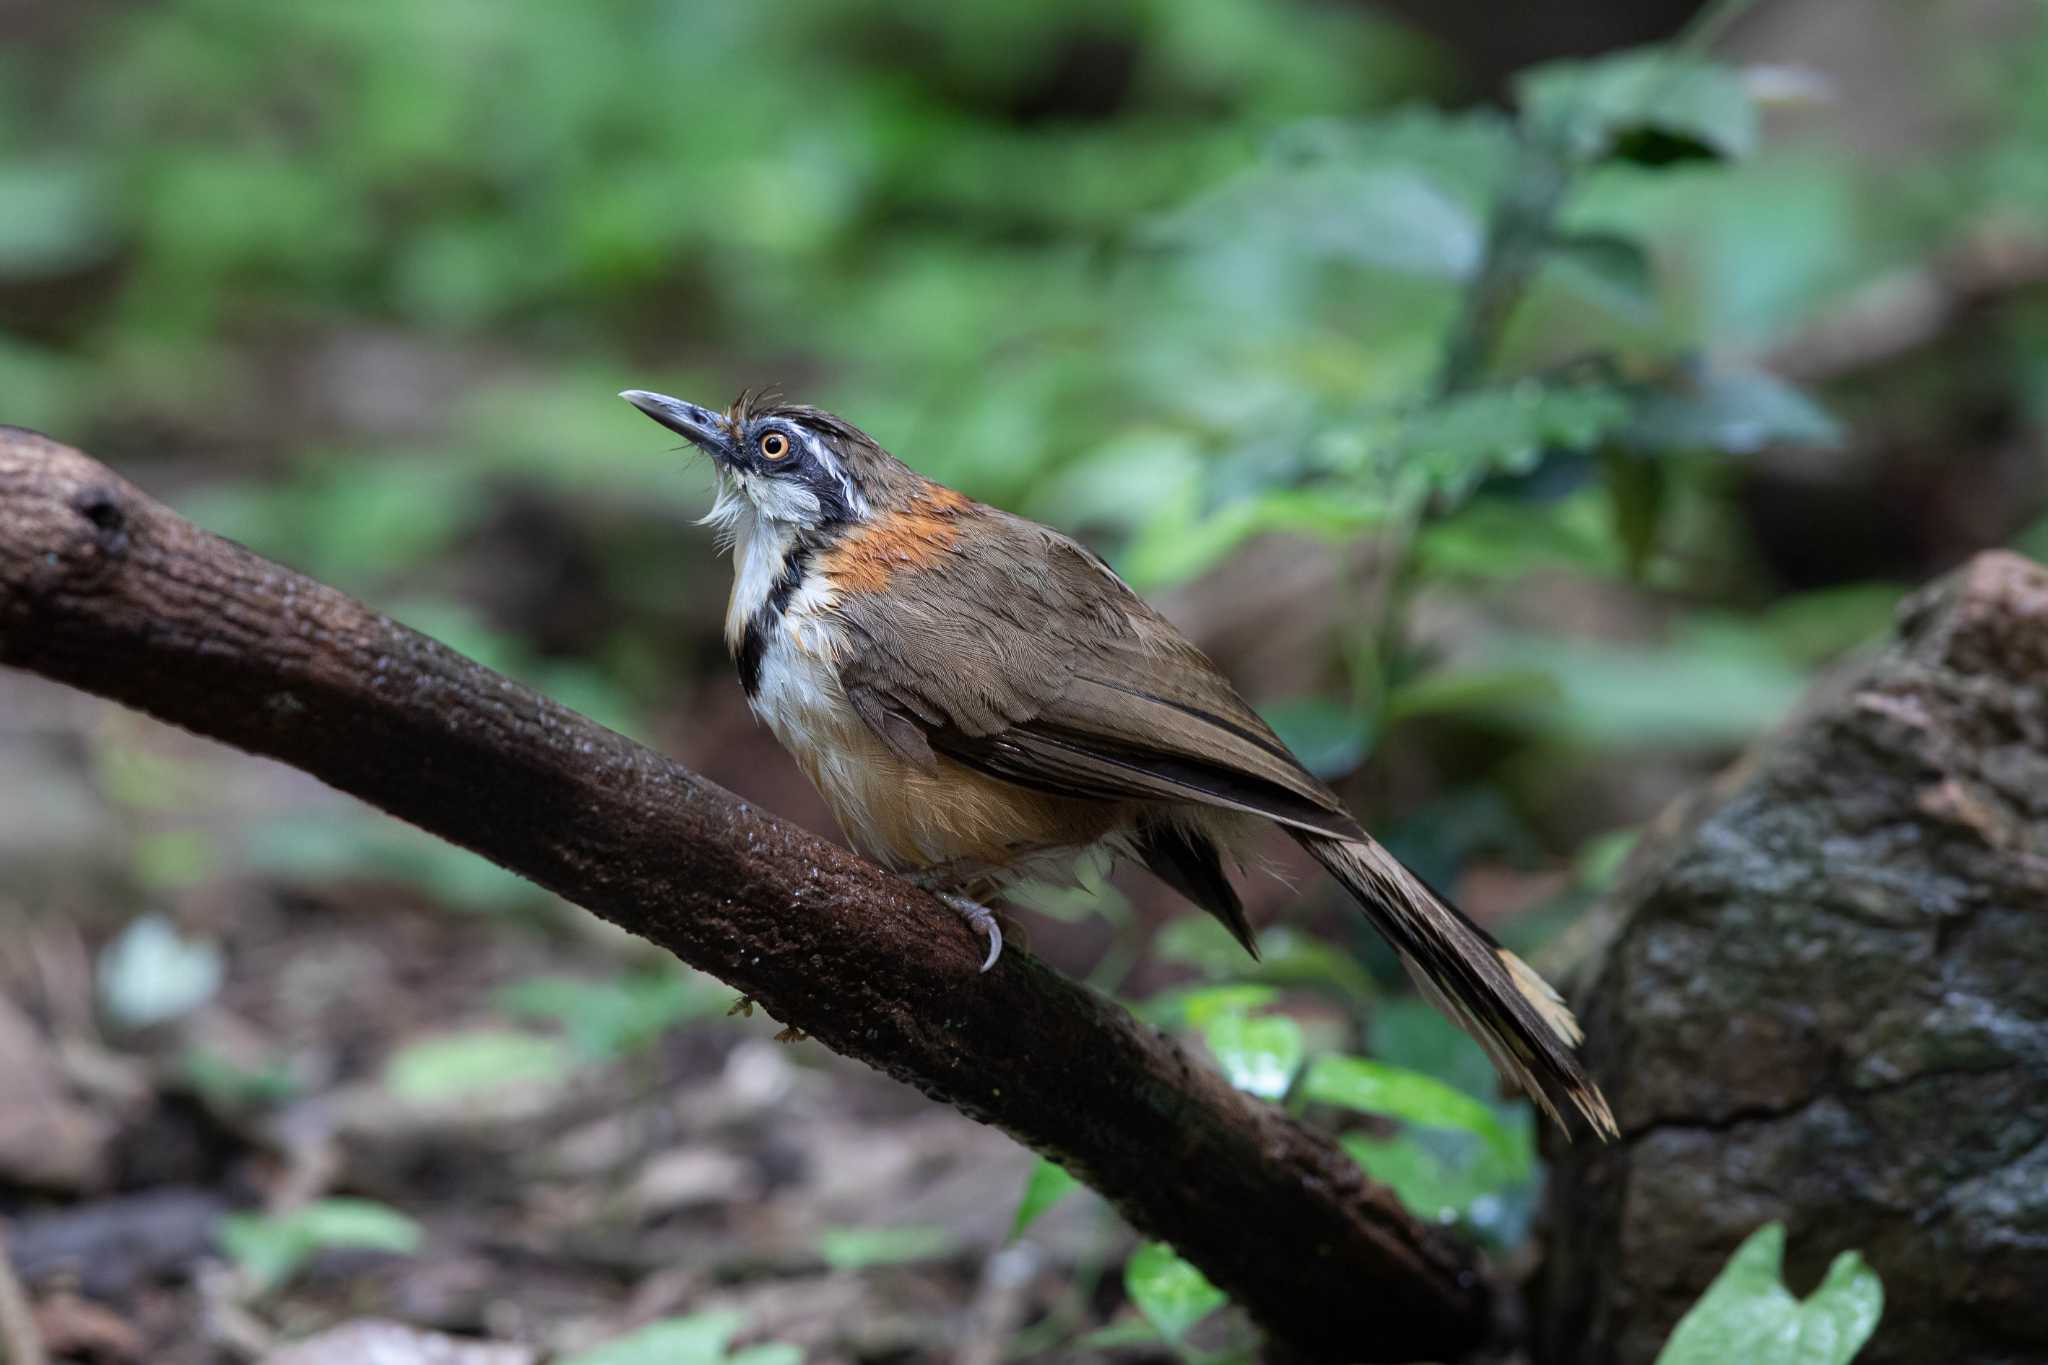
(109, 591)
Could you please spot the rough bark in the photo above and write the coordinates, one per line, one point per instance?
(106, 590)
(1825, 1000)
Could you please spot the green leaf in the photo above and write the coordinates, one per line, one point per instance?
(1259, 1053)
(1748, 1315)
(1449, 692)
(1048, 1183)
(1137, 1331)
(1174, 547)
(1496, 538)
(228, 1083)
(699, 1339)
(768, 1353)
(173, 859)
(1329, 738)
(1599, 860)
(1430, 1186)
(857, 1248)
(328, 847)
(1447, 449)
(1638, 490)
(1392, 217)
(152, 974)
(1172, 1294)
(271, 1248)
(56, 217)
(1609, 269)
(1376, 1088)
(1651, 106)
(1196, 1007)
(1286, 957)
(1728, 412)
(1698, 688)
(462, 1065)
(610, 1018)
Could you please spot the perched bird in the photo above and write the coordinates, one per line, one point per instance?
(974, 694)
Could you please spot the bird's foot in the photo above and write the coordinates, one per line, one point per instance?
(982, 919)
(938, 878)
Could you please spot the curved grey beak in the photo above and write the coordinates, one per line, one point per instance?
(702, 426)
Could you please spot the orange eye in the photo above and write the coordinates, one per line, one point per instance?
(775, 445)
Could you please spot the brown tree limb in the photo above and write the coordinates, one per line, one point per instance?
(109, 591)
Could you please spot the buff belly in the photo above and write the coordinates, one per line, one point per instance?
(897, 812)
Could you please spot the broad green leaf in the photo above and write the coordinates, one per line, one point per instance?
(1391, 217)
(1259, 1053)
(1815, 627)
(152, 974)
(1501, 538)
(1447, 449)
(1196, 1007)
(1425, 1182)
(1286, 957)
(610, 1018)
(1609, 269)
(1409, 1032)
(1728, 413)
(1329, 738)
(1048, 1184)
(227, 1082)
(461, 1065)
(332, 847)
(270, 1248)
(1747, 1314)
(699, 1339)
(1449, 692)
(856, 1248)
(1172, 1294)
(1376, 1088)
(1172, 548)
(1651, 106)
(1137, 1331)
(1689, 691)
(57, 216)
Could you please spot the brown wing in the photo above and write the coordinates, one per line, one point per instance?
(1030, 660)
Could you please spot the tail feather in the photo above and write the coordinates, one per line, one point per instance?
(1489, 992)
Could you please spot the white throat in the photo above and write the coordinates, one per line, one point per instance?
(760, 549)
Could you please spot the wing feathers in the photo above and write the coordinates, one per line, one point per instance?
(1031, 662)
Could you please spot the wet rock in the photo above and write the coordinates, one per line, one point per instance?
(1823, 998)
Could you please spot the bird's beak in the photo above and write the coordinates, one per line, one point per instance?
(703, 427)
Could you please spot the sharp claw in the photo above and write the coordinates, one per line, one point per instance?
(981, 918)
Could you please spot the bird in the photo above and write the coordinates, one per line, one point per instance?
(976, 695)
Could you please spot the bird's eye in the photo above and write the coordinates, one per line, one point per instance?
(774, 445)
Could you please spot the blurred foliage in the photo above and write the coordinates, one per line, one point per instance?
(270, 1248)
(1174, 274)
(699, 1339)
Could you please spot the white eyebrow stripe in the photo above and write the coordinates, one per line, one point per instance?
(827, 461)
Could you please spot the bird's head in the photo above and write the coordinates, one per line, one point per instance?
(796, 466)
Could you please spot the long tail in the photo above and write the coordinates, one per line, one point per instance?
(1493, 995)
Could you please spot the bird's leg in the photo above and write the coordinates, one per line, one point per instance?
(955, 873)
(941, 877)
(981, 918)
